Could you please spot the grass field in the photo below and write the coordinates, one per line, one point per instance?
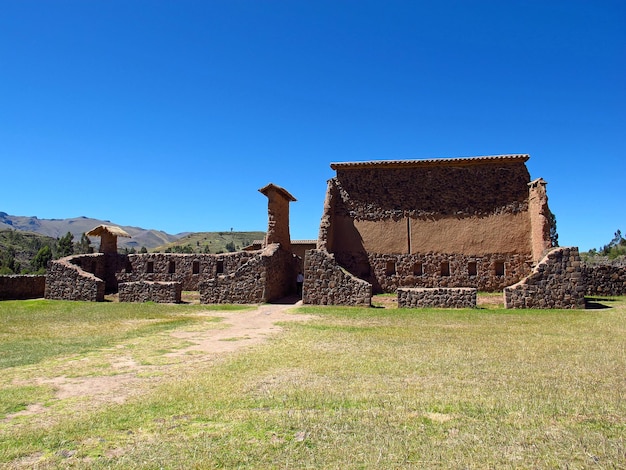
(348, 388)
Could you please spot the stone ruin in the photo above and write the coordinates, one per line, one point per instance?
(432, 231)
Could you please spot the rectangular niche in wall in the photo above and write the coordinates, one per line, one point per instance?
(390, 268)
(499, 268)
(195, 267)
(171, 267)
(150, 267)
(418, 269)
(471, 268)
(445, 268)
(219, 267)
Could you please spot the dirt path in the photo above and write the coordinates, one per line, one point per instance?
(238, 330)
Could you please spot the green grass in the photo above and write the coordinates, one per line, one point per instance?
(351, 388)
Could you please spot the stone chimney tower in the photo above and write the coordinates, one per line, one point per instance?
(277, 215)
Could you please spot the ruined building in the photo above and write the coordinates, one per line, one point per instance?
(460, 222)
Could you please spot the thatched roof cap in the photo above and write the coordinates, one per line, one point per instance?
(110, 229)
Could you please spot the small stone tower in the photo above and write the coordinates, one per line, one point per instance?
(277, 216)
(108, 237)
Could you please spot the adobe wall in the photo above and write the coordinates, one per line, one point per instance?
(462, 297)
(22, 286)
(468, 210)
(66, 280)
(269, 275)
(604, 280)
(327, 283)
(556, 282)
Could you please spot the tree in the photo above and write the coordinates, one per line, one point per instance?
(41, 259)
(8, 263)
(84, 245)
(65, 247)
(143, 250)
(230, 246)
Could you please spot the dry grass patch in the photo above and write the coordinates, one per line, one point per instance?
(371, 388)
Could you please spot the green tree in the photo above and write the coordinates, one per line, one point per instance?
(84, 245)
(65, 247)
(41, 259)
(8, 263)
(143, 250)
(230, 246)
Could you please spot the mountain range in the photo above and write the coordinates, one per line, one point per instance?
(56, 228)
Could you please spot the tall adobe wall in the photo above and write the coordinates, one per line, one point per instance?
(473, 213)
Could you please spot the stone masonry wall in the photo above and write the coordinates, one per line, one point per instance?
(188, 269)
(556, 282)
(66, 280)
(604, 280)
(268, 275)
(468, 188)
(462, 297)
(144, 291)
(326, 283)
(388, 272)
(18, 287)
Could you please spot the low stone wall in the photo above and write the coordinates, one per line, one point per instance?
(19, 287)
(327, 283)
(146, 291)
(67, 281)
(602, 280)
(556, 282)
(267, 276)
(459, 297)
(188, 269)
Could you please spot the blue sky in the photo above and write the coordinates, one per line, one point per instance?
(172, 114)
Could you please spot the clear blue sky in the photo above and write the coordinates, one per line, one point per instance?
(172, 114)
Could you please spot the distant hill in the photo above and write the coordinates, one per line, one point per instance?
(211, 242)
(56, 228)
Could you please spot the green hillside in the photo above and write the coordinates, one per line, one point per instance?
(210, 242)
(17, 250)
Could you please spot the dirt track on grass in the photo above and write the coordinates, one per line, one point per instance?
(237, 330)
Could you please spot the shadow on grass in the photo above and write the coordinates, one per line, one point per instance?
(593, 303)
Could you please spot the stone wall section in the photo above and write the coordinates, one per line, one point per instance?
(462, 297)
(556, 282)
(22, 286)
(327, 283)
(145, 291)
(188, 269)
(66, 280)
(463, 187)
(269, 275)
(603, 280)
(388, 272)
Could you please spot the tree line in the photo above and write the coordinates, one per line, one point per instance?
(27, 253)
